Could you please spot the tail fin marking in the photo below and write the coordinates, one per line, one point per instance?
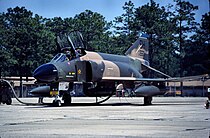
(139, 49)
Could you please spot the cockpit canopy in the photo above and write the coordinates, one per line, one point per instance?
(71, 44)
(71, 41)
(77, 40)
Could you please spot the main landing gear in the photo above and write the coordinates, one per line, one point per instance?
(148, 100)
(66, 98)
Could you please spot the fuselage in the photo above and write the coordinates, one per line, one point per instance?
(100, 65)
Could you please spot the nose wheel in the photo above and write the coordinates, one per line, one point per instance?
(57, 101)
(66, 98)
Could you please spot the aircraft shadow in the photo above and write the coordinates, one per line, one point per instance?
(46, 105)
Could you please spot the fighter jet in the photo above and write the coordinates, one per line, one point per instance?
(98, 73)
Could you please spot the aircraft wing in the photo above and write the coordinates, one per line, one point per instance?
(189, 78)
(133, 79)
(176, 79)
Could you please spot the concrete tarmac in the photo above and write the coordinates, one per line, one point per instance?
(118, 117)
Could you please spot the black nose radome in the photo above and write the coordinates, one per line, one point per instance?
(46, 73)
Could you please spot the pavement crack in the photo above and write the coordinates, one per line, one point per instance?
(29, 122)
(159, 119)
(194, 129)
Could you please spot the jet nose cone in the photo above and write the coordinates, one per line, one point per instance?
(46, 73)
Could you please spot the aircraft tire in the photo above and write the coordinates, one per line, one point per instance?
(67, 99)
(148, 100)
(57, 103)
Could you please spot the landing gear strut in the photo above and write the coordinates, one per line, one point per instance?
(67, 98)
(40, 100)
(147, 100)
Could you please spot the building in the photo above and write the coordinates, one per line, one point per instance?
(27, 84)
(190, 88)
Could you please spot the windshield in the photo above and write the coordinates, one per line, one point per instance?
(59, 58)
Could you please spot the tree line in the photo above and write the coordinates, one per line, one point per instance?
(179, 46)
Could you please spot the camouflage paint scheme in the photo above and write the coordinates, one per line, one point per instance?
(101, 73)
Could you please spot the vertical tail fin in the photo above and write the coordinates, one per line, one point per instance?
(139, 49)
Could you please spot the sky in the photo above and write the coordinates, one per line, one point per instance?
(69, 8)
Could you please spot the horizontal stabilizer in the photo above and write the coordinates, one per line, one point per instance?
(153, 69)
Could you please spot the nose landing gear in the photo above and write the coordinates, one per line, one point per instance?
(66, 98)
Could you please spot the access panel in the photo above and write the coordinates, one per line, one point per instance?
(84, 71)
